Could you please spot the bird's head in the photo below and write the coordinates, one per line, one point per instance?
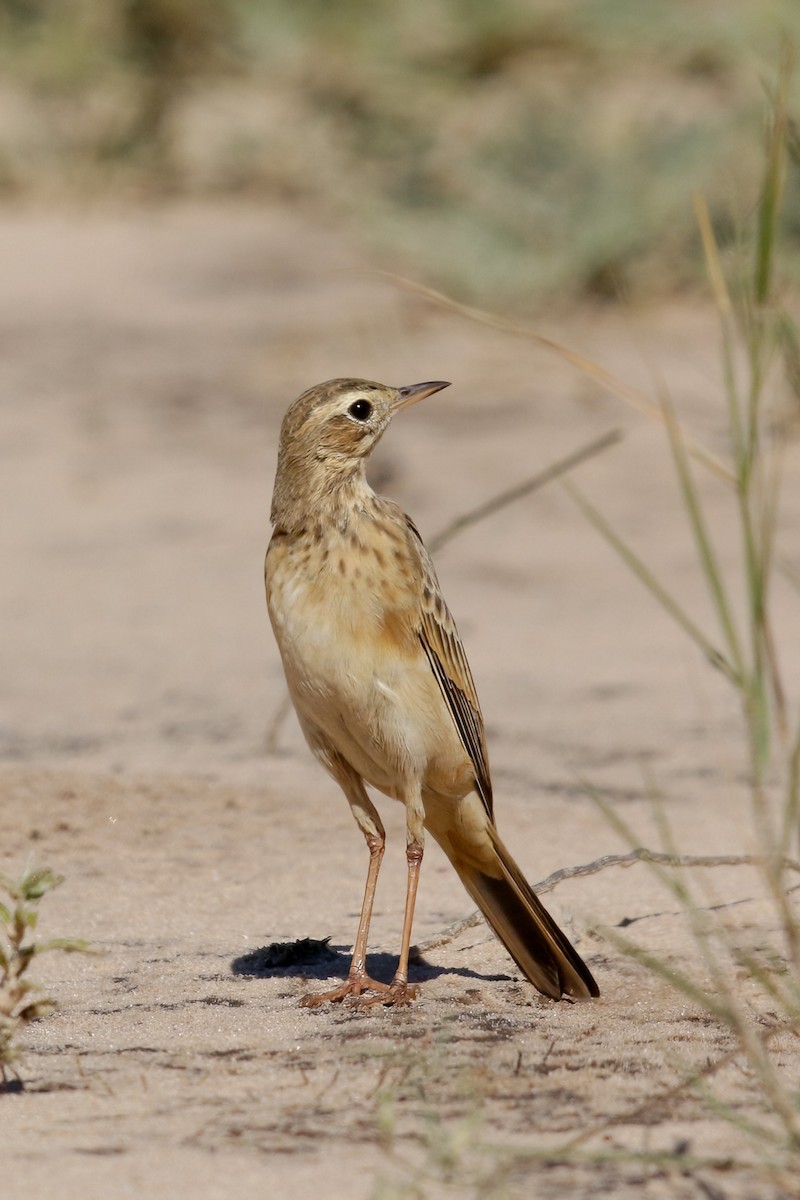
(344, 418)
(331, 429)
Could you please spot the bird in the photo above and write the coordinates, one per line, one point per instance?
(380, 682)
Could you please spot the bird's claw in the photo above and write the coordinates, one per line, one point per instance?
(397, 994)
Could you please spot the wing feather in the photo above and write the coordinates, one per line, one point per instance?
(442, 644)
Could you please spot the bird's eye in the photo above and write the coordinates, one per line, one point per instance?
(361, 410)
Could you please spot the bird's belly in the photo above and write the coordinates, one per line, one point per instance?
(364, 683)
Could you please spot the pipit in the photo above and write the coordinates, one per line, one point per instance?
(380, 681)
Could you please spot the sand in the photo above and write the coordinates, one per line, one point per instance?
(148, 356)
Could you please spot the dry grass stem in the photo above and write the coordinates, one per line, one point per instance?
(641, 854)
(676, 1091)
(587, 366)
(503, 499)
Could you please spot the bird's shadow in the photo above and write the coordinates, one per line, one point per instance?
(315, 958)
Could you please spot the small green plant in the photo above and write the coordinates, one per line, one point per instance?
(22, 1001)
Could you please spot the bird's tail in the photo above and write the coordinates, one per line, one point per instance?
(525, 927)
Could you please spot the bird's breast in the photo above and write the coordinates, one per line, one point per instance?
(343, 624)
(346, 621)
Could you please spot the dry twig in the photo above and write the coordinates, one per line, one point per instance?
(502, 499)
(675, 1091)
(593, 370)
(641, 854)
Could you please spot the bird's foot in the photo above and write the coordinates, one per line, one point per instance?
(398, 994)
(352, 990)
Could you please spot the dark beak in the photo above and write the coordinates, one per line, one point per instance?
(406, 396)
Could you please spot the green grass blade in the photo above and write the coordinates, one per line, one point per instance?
(791, 806)
(724, 304)
(702, 538)
(587, 366)
(656, 589)
(677, 979)
(716, 275)
(772, 187)
(767, 528)
(68, 945)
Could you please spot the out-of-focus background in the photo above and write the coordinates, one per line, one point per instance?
(514, 153)
(194, 198)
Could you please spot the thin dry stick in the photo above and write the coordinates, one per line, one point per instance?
(587, 366)
(489, 507)
(671, 1093)
(608, 860)
(276, 724)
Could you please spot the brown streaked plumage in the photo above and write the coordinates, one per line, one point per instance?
(381, 684)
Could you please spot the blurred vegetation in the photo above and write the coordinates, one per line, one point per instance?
(510, 152)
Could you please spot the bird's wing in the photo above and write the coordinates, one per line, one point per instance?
(445, 653)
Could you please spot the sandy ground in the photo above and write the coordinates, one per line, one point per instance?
(147, 358)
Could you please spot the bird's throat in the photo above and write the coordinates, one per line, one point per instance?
(325, 491)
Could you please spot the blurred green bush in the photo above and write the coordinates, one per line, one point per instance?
(512, 152)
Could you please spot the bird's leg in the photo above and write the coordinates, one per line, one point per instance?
(414, 852)
(399, 992)
(358, 964)
(370, 824)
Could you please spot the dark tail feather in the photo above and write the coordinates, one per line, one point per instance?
(526, 929)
